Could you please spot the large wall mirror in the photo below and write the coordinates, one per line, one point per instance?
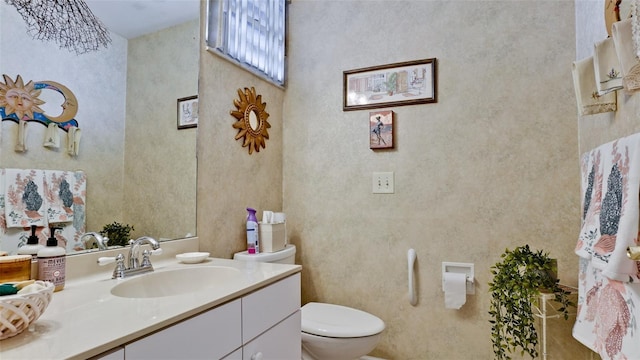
(140, 168)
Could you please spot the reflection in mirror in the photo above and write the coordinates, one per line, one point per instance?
(253, 120)
(140, 169)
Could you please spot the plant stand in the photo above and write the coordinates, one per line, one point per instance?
(545, 308)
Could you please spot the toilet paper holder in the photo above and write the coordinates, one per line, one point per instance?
(461, 268)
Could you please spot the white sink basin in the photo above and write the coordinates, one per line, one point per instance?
(175, 282)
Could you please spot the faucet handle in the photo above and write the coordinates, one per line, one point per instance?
(104, 260)
(145, 256)
(118, 272)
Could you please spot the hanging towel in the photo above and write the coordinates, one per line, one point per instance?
(21, 141)
(606, 67)
(584, 83)
(73, 140)
(58, 186)
(52, 136)
(620, 204)
(629, 65)
(610, 208)
(605, 321)
(591, 190)
(609, 285)
(24, 198)
(635, 26)
(3, 221)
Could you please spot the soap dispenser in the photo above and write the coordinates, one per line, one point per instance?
(31, 248)
(52, 262)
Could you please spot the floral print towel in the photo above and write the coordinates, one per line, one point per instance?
(66, 210)
(24, 198)
(58, 187)
(609, 282)
(610, 209)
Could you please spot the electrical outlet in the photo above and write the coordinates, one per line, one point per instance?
(383, 183)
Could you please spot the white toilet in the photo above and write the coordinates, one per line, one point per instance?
(330, 332)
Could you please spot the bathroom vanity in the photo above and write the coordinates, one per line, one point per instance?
(253, 314)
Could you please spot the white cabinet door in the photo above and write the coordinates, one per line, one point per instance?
(210, 335)
(281, 342)
(268, 306)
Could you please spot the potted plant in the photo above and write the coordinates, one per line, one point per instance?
(117, 233)
(518, 279)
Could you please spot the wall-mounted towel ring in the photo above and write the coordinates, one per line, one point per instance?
(411, 258)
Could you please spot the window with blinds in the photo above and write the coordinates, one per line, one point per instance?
(251, 34)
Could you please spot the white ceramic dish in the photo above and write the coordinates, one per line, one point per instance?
(192, 257)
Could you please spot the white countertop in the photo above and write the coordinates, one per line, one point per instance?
(85, 319)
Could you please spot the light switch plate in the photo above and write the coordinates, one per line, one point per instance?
(383, 183)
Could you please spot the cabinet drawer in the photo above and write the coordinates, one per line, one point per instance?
(210, 335)
(282, 341)
(267, 307)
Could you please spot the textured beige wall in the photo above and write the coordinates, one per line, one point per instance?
(229, 179)
(492, 165)
(160, 161)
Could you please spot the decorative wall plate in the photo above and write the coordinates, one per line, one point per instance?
(251, 118)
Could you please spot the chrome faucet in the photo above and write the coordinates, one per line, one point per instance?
(134, 261)
(90, 238)
(136, 266)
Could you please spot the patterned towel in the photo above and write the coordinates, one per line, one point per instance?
(58, 186)
(587, 97)
(611, 184)
(607, 67)
(609, 282)
(24, 198)
(629, 65)
(606, 321)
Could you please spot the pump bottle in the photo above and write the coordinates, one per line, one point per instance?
(31, 248)
(52, 262)
(253, 246)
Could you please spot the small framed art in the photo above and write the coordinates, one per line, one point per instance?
(381, 129)
(188, 112)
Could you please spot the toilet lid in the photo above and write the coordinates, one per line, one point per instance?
(338, 321)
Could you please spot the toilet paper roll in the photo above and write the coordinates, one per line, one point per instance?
(455, 290)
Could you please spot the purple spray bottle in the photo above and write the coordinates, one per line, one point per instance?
(252, 232)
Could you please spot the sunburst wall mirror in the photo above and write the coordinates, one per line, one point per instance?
(251, 118)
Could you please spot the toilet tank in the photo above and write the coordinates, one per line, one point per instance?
(284, 256)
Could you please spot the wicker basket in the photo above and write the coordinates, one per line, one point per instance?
(20, 310)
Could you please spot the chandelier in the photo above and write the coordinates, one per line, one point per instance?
(70, 23)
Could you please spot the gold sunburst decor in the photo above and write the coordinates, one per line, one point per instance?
(251, 118)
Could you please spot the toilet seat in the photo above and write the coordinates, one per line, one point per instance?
(339, 321)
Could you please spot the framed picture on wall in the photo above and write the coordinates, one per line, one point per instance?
(406, 83)
(188, 112)
(381, 129)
